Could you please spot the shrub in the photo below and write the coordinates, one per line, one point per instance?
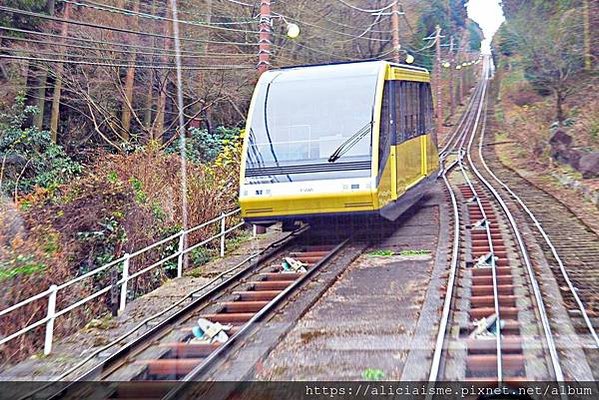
(28, 157)
(203, 146)
(122, 203)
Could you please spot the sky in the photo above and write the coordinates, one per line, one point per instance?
(489, 16)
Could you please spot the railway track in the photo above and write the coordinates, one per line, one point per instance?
(173, 351)
(495, 326)
(575, 245)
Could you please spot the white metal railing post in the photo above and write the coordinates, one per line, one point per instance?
(222, 233)
(123, 301)
(254, 230)
(181, 255)
(50, 323)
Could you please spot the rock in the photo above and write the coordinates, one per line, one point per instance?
(101, 324)
(560, 146)
(588, 165)
(560, 139)
(573, 158)
(560, 154)
(100, 341)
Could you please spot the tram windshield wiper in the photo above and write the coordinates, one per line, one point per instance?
(350, 142)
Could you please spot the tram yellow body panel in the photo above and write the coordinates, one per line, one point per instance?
(307, 204)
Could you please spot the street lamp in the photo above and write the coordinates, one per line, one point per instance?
(293, 30)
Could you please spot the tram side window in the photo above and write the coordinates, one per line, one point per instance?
(426, 108)
(414, 109)
(405, 110)
(430, 110)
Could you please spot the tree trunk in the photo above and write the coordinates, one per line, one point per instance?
(42, 80)
(129, 81)
(58, 79)
(150, 89)
(149, 104)
(588, 63)
(202, 75)
(40, 96)
(163, 81)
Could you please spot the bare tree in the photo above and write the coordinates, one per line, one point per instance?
(551, 51)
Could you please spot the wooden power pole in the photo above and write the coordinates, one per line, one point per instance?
(438, 80)
(264, 42)
(395, 33)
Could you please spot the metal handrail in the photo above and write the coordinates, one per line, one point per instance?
(52, 291)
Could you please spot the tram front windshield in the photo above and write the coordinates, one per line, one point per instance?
(302, 116)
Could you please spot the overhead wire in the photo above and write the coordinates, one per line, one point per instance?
(195, 14)
(148, 66)
(361, 36)
(124, 11)
(89, 3)
(100, 42)
(379, 10)
(352, 37)
(331, 21)
(378, 19)
(241, 3)
(127, 12)
(111, 50)
(338, 56)
(117, 29)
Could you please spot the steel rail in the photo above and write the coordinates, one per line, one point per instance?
(461, 130)
(487, 223)
(543, 233)
(536, 290)
(208, 362)
(448, 144)
(436, 362)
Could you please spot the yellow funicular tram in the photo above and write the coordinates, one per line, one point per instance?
(337, 140)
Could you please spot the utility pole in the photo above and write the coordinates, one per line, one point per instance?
(451, 77)
(587, 36)
(264, 41)
(395, 29)
(438, 79)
